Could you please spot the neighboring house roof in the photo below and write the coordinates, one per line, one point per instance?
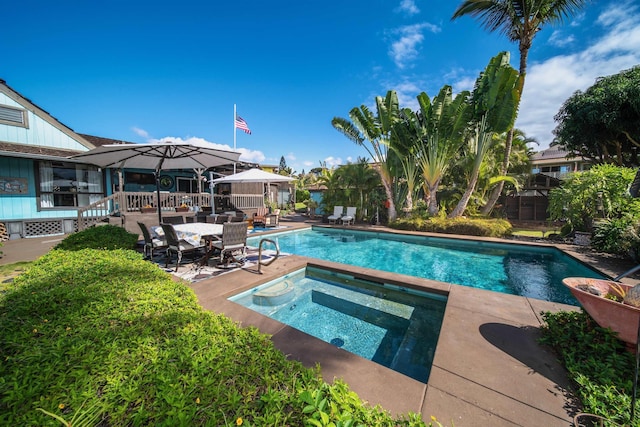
(99, 141)
(550, 153)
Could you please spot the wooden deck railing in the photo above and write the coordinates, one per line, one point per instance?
(123, 202)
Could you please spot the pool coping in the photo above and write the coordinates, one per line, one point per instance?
(488, 368)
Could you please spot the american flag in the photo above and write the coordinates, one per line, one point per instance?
(242, 125)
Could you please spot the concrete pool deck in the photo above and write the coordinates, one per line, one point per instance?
(488, 368)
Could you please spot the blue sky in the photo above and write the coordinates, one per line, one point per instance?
(141, 70)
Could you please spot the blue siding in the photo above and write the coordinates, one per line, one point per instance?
(39, 132)
(23, 206)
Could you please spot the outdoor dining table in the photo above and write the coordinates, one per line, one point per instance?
(192, 233)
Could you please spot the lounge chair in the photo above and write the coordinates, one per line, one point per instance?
(233, 244)
(150, 243)
(337, 214)
(260, 217)
(177, 245)
(350, 216)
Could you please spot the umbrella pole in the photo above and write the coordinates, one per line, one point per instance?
(157, 174)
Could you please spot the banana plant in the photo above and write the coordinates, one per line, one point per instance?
(365, 126)
(437, 130)
(494, 102)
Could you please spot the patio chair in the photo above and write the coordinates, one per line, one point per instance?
(233, 244)
(150, 243)
(179, 246)
(337, 214)
(173, 219)
(236, 218)
(260, 217)
(350, 216)
(271, 220)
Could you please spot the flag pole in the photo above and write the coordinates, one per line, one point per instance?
(234, 135)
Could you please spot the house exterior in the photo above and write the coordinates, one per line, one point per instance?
(44, 192)
(40, 187)
(554, 162)
(548, 168)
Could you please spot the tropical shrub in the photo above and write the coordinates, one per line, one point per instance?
(596, 361)
(106, 237)
(599, 193)
(617, 236)
(461, 225)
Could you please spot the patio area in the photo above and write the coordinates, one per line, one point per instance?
(488, 368)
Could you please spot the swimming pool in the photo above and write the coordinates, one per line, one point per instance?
(391, 325)
(530, 271)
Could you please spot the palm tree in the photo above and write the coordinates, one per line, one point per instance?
(520, 21)
(377, 131)
(359, 179)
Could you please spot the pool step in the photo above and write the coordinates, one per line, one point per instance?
(277, 294)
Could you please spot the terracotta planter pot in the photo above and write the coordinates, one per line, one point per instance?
(181, 209)
(621, 318)
(148, 210)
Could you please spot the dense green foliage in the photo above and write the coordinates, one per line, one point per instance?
(107, 237)
(599, 193)
(104, 337)
(619, 236)
(597, 362)
(602, 124)
(460, 225)
(354, 184)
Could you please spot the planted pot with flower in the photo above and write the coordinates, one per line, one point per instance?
(182, 208)
(611, 304)
(147, 209)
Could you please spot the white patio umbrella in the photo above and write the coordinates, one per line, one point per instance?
(158, 156)
(253, 175)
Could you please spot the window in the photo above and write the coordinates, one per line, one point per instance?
(187, 185)
(68, 185)
(139, 178)
(13, 116)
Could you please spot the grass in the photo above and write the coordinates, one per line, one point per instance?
(8, 272)
(527, 232)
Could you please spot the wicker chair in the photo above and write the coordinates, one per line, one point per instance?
(179, 219)
(177, 245)
(233, 244)
(150, 243)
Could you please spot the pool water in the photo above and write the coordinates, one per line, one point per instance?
(393, 326)
(529, 271)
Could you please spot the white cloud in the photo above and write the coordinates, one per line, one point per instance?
(558, 39)
(408, 7)
(251, 156)
(333, 161)
(140, 132)
(549, 83)
(407, 40)
(291, 157)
